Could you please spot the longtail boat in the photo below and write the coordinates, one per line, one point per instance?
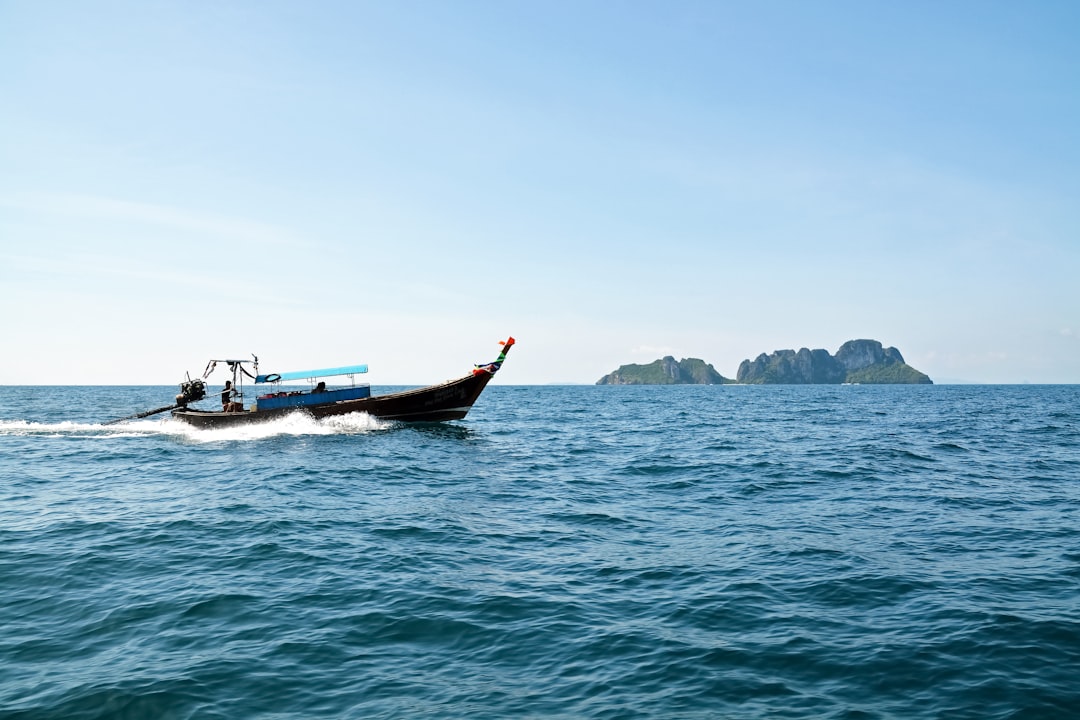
(450, 400)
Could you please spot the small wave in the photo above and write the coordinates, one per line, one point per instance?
(951, 447)
(295, 424)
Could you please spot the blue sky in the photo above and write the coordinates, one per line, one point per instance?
(404, 184)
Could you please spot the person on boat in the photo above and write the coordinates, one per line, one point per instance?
(227, 402)
(320, 388)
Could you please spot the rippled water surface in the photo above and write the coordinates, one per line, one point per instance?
(577, 552)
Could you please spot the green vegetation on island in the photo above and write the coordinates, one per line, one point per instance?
(666, 371)
(896, 374)
(865, 362)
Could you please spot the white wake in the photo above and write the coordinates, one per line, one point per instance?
(294, 424)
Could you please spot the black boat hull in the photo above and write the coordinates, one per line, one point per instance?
(449, 401)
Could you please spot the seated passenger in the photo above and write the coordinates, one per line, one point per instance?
(320, 388)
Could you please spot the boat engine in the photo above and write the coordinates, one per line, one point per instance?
(191, 391)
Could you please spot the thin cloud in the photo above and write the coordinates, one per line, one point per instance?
(200, 223)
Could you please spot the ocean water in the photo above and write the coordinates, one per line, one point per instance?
(564, 552)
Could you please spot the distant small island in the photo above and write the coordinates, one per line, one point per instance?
(857, 361)
(666, 371)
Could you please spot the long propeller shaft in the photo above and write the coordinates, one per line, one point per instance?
(148, 413)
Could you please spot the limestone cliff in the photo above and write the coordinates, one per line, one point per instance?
(857, 361)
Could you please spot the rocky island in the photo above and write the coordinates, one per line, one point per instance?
(857, 361)
(666, 371)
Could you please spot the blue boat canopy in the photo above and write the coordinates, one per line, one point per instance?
(309, 374)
